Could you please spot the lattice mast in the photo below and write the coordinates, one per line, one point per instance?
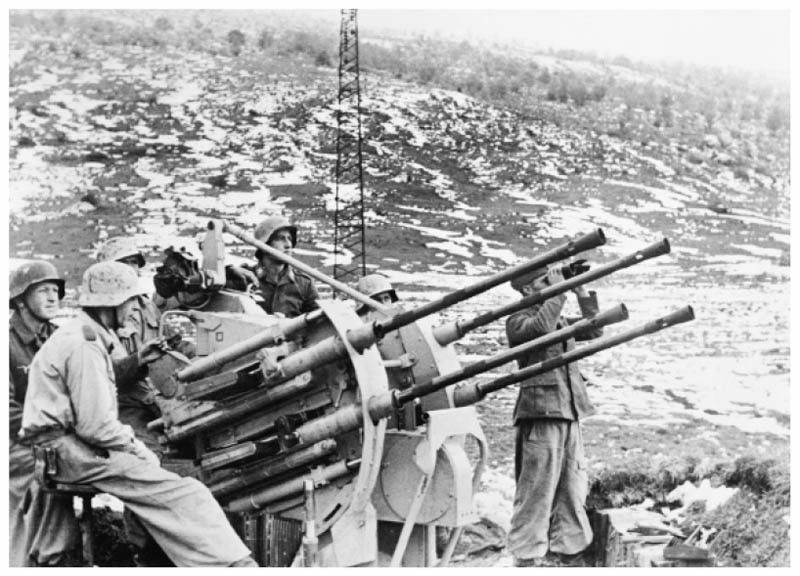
(349, 238)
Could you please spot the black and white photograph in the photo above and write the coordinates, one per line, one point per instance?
(425, 286)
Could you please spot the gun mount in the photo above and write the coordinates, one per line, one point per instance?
(368, 415)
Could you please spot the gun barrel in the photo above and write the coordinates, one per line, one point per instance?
(351, 417)
(466, 395)
(259, 399)
(618, 313)
(265, 470)
(268, 337)
(260, 498)
(447, 333)
(570, 248)
(311, 271)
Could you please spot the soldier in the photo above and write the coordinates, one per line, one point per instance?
(285, 290)
(42, 528)
(550, 466)
(135, 393)
(377, 287)
(71, 410)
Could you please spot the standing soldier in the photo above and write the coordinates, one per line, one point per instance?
(42, 527)
(550, 466)
(285, 290)
(71, 410)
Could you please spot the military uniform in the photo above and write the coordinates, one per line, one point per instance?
(286, 291)
(71, 406)
(42, 527)
(136, 395)
(550, 466)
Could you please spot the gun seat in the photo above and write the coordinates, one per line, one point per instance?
(86, 521)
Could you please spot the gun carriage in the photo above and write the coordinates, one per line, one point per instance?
(349, 437)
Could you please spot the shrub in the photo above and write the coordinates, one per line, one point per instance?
(236, 41)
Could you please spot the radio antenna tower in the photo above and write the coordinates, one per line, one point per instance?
(349, 242)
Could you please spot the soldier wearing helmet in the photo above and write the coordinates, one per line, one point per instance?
(71, 409)
(377, 287)
(41, 532)
(285, 291)
(178, 281)
(551, 484)
(138, 334)
(135, 393)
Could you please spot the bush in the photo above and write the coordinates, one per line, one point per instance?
(323, 59)
(265, 39)
(162, 24)
(236, 41)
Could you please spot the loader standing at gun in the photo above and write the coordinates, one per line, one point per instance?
(71, 412)
(42, 529)
(550, 468)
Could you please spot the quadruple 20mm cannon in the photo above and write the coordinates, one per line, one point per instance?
(351, 438)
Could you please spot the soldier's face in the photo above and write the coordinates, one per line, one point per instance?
(282, 241)
(42, 300)
(384, 298)
(125, 310)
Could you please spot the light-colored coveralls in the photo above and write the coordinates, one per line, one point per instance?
(42, 527)
(550, 465)
(71, 406)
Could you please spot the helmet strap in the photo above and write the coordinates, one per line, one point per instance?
(29, 318)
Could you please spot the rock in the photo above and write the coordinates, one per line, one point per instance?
(725, 159)
(725, 138)
(695, 156)
(711, 141)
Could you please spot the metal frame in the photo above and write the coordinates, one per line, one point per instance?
(349, 216)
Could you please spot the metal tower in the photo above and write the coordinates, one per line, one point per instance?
(349, 219)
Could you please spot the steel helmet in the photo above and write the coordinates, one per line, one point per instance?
(185, 247)
(374, 284)
(32, 273)
(268, 227)
(119, 248)
(109, 284)
(520, 282)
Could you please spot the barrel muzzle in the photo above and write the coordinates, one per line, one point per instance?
(588, 241)
(618, 313)
(680, 316)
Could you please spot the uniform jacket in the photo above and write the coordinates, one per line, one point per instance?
(23, 344)
(134, 389)
(286, 291)
(559, 393)
(71, 386)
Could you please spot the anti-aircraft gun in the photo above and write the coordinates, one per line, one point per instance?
(346, 434)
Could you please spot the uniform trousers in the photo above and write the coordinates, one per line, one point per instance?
(42, 527)
(552, 485)
(179, 513)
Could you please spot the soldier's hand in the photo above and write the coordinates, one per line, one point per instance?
(152, 350)
(554, 276)
(580, 292)
(243, 274)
